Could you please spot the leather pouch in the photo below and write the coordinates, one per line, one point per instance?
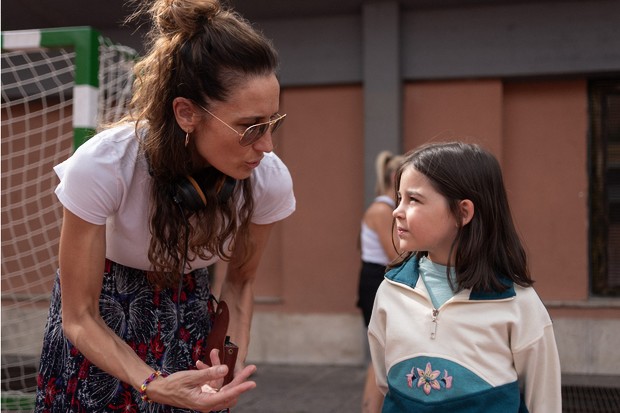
(219, 339)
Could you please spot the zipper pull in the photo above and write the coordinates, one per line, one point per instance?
(434, 320)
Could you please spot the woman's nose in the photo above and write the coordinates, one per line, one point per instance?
(264, 143)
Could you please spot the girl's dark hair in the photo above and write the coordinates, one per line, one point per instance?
(201, 51)
(488, 247)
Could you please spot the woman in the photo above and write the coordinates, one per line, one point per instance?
(149, 204)
(378, 250)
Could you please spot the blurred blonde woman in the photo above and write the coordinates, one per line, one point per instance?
(377, 251)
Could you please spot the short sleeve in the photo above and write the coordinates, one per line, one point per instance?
(89, 181)
(272, 187)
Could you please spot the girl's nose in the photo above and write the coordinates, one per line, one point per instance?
(396, 211)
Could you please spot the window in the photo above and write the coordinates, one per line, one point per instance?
(605, 187)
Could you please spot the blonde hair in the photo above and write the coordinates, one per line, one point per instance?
(386, 165)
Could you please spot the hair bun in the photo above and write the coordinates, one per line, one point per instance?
(185, 17)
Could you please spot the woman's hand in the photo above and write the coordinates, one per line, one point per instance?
(199, 389)
(214, 386)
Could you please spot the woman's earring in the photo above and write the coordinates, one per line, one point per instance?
(186, 138)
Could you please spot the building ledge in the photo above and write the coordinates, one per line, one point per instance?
(589, 303)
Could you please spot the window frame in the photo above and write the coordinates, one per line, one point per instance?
(599, 202)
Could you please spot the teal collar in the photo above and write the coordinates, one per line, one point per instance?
(408, 274)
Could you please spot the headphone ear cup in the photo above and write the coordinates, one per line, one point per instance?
(189, 194)
(193, 192)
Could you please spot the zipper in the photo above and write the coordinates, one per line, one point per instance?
(434, 313)
(434, 316)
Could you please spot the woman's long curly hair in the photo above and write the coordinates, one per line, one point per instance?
(201, 51)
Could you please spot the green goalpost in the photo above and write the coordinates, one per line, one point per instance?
(57, 86)
(85, 41)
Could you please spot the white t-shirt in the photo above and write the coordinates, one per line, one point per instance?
(105, 182)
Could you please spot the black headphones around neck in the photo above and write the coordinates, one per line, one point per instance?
(194, 192)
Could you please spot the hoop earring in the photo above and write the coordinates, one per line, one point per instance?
(186, 138)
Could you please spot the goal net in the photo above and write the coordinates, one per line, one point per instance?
(57, 85)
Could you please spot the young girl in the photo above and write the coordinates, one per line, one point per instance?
(456, 325)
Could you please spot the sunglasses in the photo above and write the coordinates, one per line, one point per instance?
(254, 132)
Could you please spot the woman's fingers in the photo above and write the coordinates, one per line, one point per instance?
(242, 375)
(228, 395)
(214, 356)
(214, 385)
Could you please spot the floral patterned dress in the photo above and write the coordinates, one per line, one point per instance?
(146, 318)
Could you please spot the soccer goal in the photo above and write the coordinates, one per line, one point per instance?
(57, 86)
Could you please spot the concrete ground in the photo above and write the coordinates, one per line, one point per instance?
(304, 389)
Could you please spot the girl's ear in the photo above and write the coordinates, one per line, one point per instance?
(467, 211)
(185, 114)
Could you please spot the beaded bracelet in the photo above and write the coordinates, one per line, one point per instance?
(148, 381)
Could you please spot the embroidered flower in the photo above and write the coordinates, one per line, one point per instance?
(447, 379)
(410, 377)
(428, 379)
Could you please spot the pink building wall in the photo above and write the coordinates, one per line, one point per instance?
(538, 131)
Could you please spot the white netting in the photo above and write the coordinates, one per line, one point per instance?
(115, 69)
(37, 133)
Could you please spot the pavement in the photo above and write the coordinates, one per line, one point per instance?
(304, 389)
